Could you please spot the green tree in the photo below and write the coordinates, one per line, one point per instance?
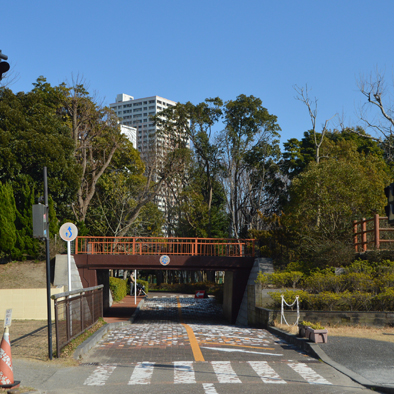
(345, 187)
(250, 148)
(7, 220)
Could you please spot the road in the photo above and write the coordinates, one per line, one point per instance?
(183, 345)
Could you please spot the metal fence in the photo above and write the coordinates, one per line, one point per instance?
(171, 246)
(76, 311)
(372, 233)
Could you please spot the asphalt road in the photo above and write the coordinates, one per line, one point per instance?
(183, 345)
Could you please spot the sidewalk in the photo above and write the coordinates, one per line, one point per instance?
(366, 361)
(123, 310)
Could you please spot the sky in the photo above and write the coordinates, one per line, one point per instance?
(193, 50)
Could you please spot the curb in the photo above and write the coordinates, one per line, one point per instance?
(92, 341)
(316, 351)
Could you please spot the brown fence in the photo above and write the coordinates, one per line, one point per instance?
(371, 233)
(76, 311)
(171, 246)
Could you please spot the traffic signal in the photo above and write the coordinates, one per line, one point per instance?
(40, 221)
(4, 66)
(389, 191)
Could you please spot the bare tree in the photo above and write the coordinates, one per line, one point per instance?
(96, 135)
(311, 104)
(377, 112)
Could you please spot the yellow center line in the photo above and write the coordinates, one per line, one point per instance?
(192, 338)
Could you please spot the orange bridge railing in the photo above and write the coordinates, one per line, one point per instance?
(160, 246)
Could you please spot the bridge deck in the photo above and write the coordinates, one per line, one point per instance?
(165, 246)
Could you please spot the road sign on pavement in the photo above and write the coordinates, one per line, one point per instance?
(68, 232)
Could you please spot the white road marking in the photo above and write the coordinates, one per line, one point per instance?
(184, 372)
(142, 373)
(209, 388)
(265, 372)
(100, 375)
(308, 373)
(225, 372)
(239, 350)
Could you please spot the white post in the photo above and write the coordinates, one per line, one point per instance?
(281, 310)
(135, 287)
(69, 264)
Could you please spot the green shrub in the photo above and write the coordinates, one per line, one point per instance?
(384, 301)
(118, 288)
(263, 280)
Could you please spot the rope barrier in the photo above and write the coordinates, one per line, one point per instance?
(282, 310)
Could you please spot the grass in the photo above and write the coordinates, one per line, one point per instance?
(68, 350)
(385, 334)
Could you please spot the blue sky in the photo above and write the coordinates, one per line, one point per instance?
(192, 50)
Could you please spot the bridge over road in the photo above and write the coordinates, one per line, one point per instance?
(95, 256)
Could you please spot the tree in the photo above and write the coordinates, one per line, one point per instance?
(7, 219)
(96, 135)
(196, 121)
(345, 187)
(377, 112)
(117, 196)
(250, 149)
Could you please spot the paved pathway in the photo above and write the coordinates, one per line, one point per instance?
(182, 341)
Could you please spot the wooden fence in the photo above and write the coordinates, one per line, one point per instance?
(371, 233)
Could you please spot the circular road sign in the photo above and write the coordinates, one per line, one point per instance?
(68, 232)
(164, 260)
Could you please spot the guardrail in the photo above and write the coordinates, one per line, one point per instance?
(76, 311)
(370, 232)
(159, 246)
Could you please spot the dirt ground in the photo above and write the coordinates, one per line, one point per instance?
(29, 339)
(385, 334)
(23, 275)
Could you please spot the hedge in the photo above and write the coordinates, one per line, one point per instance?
(118, 288)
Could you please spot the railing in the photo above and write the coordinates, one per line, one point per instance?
(370, 232)
(160, 246)
(76, 311)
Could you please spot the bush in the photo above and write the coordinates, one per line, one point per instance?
(118, 288)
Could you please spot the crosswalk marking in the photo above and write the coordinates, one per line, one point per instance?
(100, 375)
(184, 372)
(308, 373)
(209, 388)
(225, 372)
(266, 373)
(142, 373)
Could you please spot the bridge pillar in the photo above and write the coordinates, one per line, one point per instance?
(103, 279)
(234, 288)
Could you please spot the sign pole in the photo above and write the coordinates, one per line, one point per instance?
(69, 264)
(135, 287)
(48, 271)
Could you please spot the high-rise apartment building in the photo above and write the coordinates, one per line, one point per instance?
(136, 113)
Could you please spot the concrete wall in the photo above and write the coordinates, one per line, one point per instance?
(228, 295)
(27, 304)
(265, 317)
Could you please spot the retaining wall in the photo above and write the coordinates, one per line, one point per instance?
(263, 317)
(27, 304)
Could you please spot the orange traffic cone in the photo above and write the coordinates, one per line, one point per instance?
(6, 373)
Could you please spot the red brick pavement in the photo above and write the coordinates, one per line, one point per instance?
(123, 310)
